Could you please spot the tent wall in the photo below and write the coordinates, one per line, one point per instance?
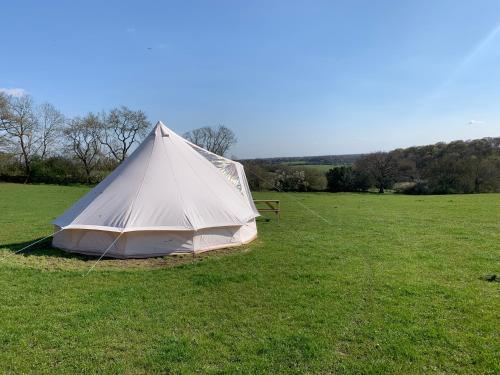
(144, 244)
(231, 170)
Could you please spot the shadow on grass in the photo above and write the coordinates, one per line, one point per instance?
(43, 248)
(266, 219)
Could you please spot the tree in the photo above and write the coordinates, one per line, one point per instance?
(258, 175)
(487, 175)
(19, 127)
(121, 129)
(83, 141)
(4, 116)
(360, 180)
(289, 179)
(340, 179)
(217, 140)
(316, 179)
(449, 175)
(346, 178)
(381, 167)
(51, 123)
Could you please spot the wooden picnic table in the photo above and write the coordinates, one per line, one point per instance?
(268, 205)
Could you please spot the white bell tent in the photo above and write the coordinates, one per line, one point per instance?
(168, 196)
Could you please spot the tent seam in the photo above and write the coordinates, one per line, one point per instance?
(140, 186)
(176, 182)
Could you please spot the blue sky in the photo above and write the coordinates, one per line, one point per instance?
(289, 77)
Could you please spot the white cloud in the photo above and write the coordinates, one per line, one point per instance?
(17, 92)
(476, 122)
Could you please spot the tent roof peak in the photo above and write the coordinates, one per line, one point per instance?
(161, 129)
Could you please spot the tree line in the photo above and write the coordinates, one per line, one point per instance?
(311, 160)
(443, 168)
(38, 143)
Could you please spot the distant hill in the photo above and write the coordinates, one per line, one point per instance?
(312, 160)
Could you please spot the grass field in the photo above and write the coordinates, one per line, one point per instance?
(377, 284)
(317, 167)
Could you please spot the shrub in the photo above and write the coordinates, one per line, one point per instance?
(345, 178)
(288, 179)
(340, 179)
(316, 180)
(55, 170)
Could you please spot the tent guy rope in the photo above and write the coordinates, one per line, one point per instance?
(31, 244)
(103, 254)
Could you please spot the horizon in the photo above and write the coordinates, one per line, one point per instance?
(291, 79)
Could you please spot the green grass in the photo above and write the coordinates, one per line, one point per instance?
(317, 167)
(387, 284)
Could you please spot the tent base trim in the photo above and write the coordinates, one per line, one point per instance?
(147, 244)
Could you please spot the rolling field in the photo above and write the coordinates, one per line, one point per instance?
(365, 284)
(317, 167)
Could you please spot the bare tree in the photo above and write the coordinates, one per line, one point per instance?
(83, 138)
(382, 167)
(4, 118)
(121, 129)
(19, 127)
(51, 122)
(217, 140)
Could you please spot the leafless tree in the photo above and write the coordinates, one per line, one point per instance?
(121, 129)
(382, 167)
(217, 140)
(83, 141)
(51, 122)
(4, 118)
(19, 127)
